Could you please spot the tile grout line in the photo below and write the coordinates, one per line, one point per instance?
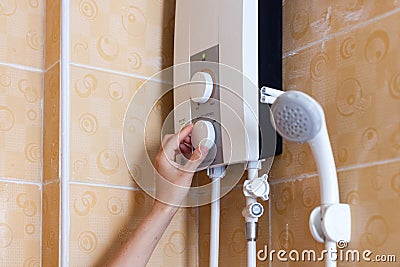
(52, 181)
(118, 72)
(129, 188)
(21, 67)
(285, 55)
(292, 179)
(368, 164)
(42, 135)
(52, 65)
(19, 182)
(338, 170)
(340, 33)
(64, 136)
(239, 186)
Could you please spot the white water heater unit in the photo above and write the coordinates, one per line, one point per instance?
(225, 50)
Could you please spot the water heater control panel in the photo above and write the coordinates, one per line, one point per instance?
(217, 63)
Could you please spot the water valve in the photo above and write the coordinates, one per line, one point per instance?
(254, 210)
(258, 187)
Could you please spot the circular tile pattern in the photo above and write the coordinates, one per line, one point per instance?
(88, 9)
(87, 242)
(377, 46)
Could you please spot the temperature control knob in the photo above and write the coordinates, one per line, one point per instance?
(203, 133)
(201, 87)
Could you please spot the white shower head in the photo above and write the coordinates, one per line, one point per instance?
(299, 118)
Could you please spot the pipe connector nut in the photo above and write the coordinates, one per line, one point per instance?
(253, 211)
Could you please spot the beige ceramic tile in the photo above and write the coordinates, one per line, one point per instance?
(99, 102)
(53, 32)
(22, 32)
(311, 20)
(19, 225)
(291, 204)
(103, 218)
(132, 36)
(20, 124)
(233, 245)
(50, 224)
(51, 123)
(372, 193)
(355, 77)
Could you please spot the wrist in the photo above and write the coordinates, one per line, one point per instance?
(159, 206)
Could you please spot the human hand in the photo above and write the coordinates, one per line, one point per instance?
(173, 180)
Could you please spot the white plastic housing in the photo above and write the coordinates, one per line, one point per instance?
(233, 27)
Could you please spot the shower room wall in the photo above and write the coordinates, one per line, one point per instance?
(345, 54)
(114, 47)
(21, 116)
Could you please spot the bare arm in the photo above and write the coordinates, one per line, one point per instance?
(173, 184)
(137, 251)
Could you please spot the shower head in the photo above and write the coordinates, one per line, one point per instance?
(298, 117)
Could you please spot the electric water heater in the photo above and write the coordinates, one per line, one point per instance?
(224, 52)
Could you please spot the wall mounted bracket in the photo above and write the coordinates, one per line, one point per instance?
(331, 223)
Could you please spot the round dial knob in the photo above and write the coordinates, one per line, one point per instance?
(203, 133)
(256, 209)
(201, 87)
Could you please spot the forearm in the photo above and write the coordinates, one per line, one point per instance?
(137, 251)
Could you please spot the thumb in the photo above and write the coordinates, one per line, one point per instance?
(196, 159)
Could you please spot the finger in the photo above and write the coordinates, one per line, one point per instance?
(196, 159)
(185, 132)
(187, 140)
(187, 155)
(171, 146)
(166, 139)
(185, 149)
(173, 140)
